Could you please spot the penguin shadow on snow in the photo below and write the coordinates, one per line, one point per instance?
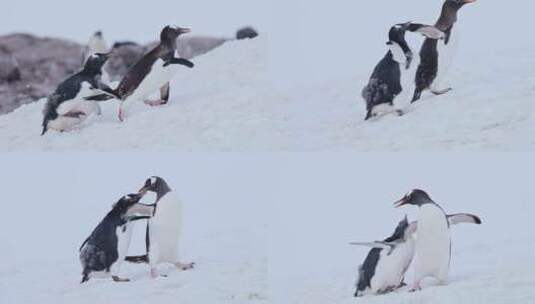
(425, 244)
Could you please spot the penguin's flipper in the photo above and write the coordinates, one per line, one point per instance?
(75, 114)
(137, 259)
(381, 245)
(427, 31)
(99, 97)
(137, 218)
(181, 61)
(140, 209)
(83, 244)
(460, 218)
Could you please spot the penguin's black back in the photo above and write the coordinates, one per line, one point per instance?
(140, 70)
(385, 83)
(428, 68)
(99, 251)
(367, 269)
(66, 91)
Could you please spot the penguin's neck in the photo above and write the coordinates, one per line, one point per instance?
(161, 189)
(448, 16)
(395, 52)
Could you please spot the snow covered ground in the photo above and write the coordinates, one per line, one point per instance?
(266, 228)
(52, 207)
(330, 201)
(229, 103)
(297, 88)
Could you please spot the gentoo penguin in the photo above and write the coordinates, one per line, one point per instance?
(433, 245)
(153, 71)
(97, 44)
(163, 229)
(69, 106)
(385, 266)
(385, 83)
(428, 71)
(105, 249)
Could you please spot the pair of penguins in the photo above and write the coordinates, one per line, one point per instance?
(384, 268)
(104, 251)
(76, 98)
(385, 82)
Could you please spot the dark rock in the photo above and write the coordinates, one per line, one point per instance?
(31, 67)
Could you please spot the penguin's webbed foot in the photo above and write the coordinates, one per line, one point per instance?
(415, 287)
(181, 61)
(186, 266)
(75, 114)
(441, 92)
(155, 103)
(119, 279)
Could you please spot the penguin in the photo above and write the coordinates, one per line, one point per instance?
(385, 265)
(433, 246)
(163, 228)
(70, 103)
(387, 262)
(97, 44)
(152, 72)
(105, 249)
(385, 82)
(428, 71)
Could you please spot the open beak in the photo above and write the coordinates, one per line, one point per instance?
(401, 202)
(469, 1)
(184, 30)
(143, 191)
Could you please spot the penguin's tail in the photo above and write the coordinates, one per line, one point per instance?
(85, 277)
(138, 259)
(247, 32)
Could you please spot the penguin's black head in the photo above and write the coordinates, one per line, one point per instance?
(399, 233)
(170, 33)
(396, 35)
(96, 61)
(126, 202)
(154, 184)
(416, 197)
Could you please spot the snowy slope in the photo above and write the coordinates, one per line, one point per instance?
(224, 233)
(228, 103)
(224, 103)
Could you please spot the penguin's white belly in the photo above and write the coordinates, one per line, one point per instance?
(433, 243)
(446, 55)
(391, 268)
(64, 123)
(124, 237)
(164, 230)
(157, 78)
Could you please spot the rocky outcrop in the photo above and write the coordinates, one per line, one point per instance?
(31, 67)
